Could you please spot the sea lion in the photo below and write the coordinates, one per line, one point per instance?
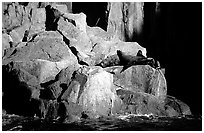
(122, 59)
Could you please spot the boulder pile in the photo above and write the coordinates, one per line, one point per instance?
(57, 67)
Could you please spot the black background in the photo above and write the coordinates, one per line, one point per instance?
(174, 37)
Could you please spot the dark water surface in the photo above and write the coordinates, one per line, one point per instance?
(122, 123)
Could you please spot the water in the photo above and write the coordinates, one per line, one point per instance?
(122, 123)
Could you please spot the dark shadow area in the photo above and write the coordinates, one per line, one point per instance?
(16, 95)
(52, 17)
(95, 12)
(174, 37)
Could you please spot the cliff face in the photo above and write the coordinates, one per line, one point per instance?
(56, 66)
(125, 19)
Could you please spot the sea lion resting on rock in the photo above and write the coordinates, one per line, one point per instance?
(128, 60)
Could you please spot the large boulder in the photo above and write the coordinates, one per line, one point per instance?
(46, 56)
(76, 36)
(142, 78)
(176, 107)
(82, 42)
(99, 95)
(47, 63)
(38, 20)
(140, 103)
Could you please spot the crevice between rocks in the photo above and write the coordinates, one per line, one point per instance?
(52, 17)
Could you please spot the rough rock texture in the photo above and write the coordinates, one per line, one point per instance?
(99, 95)
(176, 106)
(141, 78)
(89, 45)
(125, 19)
(140, 103)
(53, 66)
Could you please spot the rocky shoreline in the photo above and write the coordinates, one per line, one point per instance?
(55, 66)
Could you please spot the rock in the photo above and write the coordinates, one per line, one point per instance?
(125, 19)
(11, 17)
(52, 91)
(6, 40)
(60, 7)
(115, 20)
(171, 112)
(93, 44)
(48, 50)
(75, 88)
(97, 34)
(18, 71)
(98, 96)
(174, 105)
(80, 20)
(19, 17)
(17, 34)
(73, 111)
(83, 39)
(51, 45)
(65, 75)
(38, 20)
(67, 93)
(55, 60)
(33, 5)
(37, 72)
(108, 49)
(21, 44)
(76, 35)
(128, 60)
(141, 78)
(140, 103)
(19, 90)
(68, 30)
(74, 92)
(49, 109)
(68, 4)
(57, 88)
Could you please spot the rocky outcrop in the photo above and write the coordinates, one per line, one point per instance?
(57, 67)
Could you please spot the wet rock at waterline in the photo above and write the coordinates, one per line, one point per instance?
(68, 70)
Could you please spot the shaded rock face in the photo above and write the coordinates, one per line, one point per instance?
(57, 67)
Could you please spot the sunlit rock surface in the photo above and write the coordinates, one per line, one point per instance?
(99, 95)
(53, 67)
(141, 78)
